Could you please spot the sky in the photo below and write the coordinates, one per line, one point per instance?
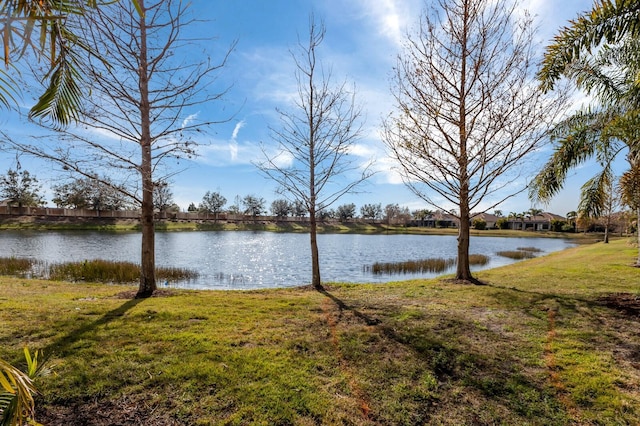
(362, 41)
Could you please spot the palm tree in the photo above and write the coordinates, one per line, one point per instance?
(610, 127)
(531, 215)
(522, 216)
(534, 212)
(513, 215)
(571, 217)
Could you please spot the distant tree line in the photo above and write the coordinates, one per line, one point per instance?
(20, 188)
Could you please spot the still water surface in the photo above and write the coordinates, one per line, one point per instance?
(249, 260)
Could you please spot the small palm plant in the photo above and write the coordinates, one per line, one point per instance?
(17, 406)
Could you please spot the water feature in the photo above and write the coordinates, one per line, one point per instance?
(249, 260)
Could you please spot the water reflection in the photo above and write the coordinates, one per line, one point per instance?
(248, 260)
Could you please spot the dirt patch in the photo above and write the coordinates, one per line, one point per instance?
(626, 303)
(126, 410)
(472, 281)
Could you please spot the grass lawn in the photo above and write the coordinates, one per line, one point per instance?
(553, 340)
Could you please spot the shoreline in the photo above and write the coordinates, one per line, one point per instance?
(39, 223)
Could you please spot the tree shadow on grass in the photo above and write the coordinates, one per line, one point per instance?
(62, 346)
(457, 350)
(433, 349)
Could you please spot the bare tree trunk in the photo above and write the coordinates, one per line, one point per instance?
(638, 234)
(315, 257)
(463, 271)
(147, 270)
(313, 228)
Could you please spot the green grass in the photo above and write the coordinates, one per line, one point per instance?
(535, 346)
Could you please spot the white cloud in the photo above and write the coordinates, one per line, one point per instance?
(227, 153)
(233, 151)
(391, 17)
(239, 125)
(187, 121)
(271, 72)
(283, 159)
(233, 144)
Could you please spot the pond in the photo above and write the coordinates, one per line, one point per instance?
(250, 260)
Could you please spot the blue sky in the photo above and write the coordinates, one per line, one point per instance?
(361, 45)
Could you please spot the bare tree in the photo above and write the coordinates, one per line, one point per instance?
(281, 208)
(253, 205)
(141, 113)
(371, 211)
(163, 196)
(212, 202)
(85, 193)
(20, 188)
(314, 140)
(467, 108)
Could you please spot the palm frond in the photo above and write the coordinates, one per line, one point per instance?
(578, 139)
(594, 194)
(591, 75)
(7, 89)
(547, 183)
(630, 187)
(609, 21)
(16, 395)
(62, 99)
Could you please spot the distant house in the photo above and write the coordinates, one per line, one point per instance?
(490, 219)
(442, 219)
(438, 219)
(539, 222)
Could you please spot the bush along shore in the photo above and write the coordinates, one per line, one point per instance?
(95, 270)
(549, 340)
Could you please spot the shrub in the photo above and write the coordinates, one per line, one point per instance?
(17, 406)
(478, 259)
(479, 224)
(516, 254)
(503, 223)
(15, 265)
(111, 272)
(412, 266)
(557, 225)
